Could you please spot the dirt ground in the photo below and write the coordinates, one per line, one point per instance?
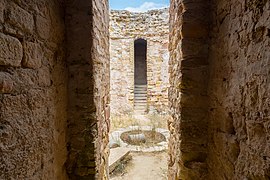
(143, 166)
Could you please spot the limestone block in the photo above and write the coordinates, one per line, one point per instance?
(32, 55)
(2, 7)
(43, 27)
(20, 18)
(44, 77)
(11, 51)
(6, 83)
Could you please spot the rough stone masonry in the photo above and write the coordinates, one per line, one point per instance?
(33, 90)
(219, 94)
(54, 89)
(125, 28)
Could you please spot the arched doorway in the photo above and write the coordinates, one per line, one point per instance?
(140, 76)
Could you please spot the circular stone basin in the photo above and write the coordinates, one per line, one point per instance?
(142, 137)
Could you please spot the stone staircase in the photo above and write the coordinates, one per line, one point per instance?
(140, 99)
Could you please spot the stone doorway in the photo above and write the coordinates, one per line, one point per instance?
(140, 76)
(139, 80)
(55, 64)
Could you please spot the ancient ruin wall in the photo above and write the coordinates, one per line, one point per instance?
(88, 111)
(125, 28)
(33, 96)
(188, 91)
(101, 67)
(239, 90)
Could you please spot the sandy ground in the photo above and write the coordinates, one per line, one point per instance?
(144, 166)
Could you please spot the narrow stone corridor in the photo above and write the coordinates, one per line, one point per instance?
(208, 69)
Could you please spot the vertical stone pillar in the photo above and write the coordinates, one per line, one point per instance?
(188, 92)
(88, 111)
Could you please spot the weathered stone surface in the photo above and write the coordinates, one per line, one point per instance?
(88, 64)
(125, 28)
(43, 26)
(33, 55)
(20, 18)
(232, 102)
(229, 72)
(2, 7)
(100, 56)
(33, 102)
(188, 91)
(11, 51)
(6, 83)
(239, 91)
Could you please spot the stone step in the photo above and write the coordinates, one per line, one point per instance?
(140, 111)
(140, 94)
(140, 104)
(144, 94)
(141, 101)
(140, 89)
(140, 107)
(138, 85)
(140, 98)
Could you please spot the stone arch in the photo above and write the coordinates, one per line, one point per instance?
(140, 58)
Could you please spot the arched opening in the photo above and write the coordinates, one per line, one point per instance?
(140, 75)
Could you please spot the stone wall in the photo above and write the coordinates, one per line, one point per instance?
(125, 28)
(189, 22)
(239, 91)
(88, 111)
(101, 66)
(33, 93)
(220, 82)
(54, 83)
(51, 81)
